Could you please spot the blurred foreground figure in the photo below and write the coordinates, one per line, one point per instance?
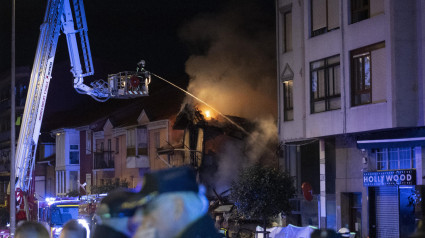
(420, 230)
(75, 229)
(31, 229)
(324, 233)
(170, 204)
(112, 220)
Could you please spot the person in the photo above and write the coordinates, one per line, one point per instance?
(344, 232)
(324, 233)
(112, 221)
(75, 229)
(30, 229)
(171, 204)
(420, 230)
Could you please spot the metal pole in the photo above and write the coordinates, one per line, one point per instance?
(12, 131)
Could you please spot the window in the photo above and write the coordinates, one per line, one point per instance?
(362, 61)
(108, 154)
(157, 139)
(288, 105)
(74, 154)
(325, 85)
(287, 30)
(287, 78)
(60, 182)
(88, 142)
(117, 145)
(142, 141)
(324, 16)
(359, 10)
(137, 141)
(73, 181)
(395, 158)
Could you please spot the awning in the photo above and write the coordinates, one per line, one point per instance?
(392, 139)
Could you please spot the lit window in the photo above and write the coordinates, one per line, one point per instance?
(367, 80)
(288, 105)
(395, 158)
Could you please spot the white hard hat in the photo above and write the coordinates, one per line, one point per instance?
(344, 232)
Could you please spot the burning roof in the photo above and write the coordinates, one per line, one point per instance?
(230, 125)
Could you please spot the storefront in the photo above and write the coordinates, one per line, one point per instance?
(393, 178)
(392, 202)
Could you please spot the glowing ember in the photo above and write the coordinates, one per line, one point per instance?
(207, 115)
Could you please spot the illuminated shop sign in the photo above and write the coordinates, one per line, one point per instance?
(386, 178)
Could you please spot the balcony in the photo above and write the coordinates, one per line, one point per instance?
(139, 159)
(104, 160)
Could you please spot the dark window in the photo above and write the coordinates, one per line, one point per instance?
(361, 74)
(157, 139)
(324, 16)
(287, 31)
(325, 85)
(360, 10)
(74, 154)
(288, 105)
(117, 145)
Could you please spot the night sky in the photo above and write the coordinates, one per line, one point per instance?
(123, 32)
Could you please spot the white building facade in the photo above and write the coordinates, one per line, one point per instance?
(351, 111)
(67, 160)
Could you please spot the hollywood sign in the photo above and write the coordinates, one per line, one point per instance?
(396, 177)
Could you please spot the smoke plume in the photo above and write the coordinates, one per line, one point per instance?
(237, 155)
(234, 70)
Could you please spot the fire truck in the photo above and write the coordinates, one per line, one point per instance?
(54, 213)
(67, 16)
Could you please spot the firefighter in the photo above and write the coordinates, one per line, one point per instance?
(171, 204)
(112, 221)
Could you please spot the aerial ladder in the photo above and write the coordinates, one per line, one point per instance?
(67, 16)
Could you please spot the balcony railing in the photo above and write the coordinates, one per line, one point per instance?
(131, 151)
(104, 160)
(140, 161)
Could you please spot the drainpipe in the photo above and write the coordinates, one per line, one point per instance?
(322, 183)
(342, 58)
(279, 109)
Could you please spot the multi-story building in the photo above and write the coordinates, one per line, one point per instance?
(122, 145)
(22, 75)
(351, 111)
(126, 148)
(45, 173)
(67, 164)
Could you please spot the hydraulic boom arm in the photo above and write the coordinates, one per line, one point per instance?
(68, 16)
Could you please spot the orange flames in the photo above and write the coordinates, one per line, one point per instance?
(207, 113)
